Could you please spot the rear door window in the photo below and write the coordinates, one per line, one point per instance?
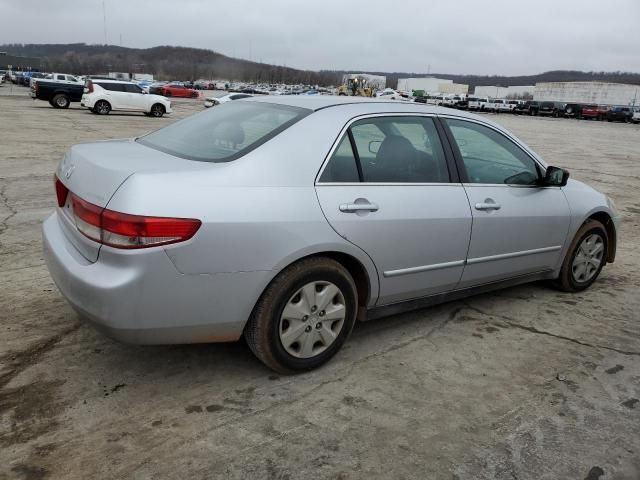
(131, 88)
(391, 150)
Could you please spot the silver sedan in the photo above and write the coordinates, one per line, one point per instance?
(285, 220)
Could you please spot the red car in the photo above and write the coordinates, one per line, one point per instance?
(178, 91)
(594, 112)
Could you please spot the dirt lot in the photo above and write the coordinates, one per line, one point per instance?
(526, 383)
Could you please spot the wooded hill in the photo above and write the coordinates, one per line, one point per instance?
(183, 63)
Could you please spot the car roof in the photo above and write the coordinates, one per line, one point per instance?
(104, 80)
(320, 102)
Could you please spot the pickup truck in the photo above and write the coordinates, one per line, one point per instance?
(59, 95)
(477, 103)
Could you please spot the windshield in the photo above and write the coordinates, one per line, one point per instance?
(226, 132)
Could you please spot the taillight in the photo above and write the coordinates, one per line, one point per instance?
(61, 191)
(122, 230)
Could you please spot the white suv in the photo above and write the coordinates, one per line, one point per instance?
(103, 96)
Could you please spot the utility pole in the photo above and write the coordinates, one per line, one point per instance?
(104, 21)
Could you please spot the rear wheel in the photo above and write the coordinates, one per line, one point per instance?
(585, 258)
(304, 316)
(102, 107)
(60, 101)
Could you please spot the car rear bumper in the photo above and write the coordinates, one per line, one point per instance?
(138, 296)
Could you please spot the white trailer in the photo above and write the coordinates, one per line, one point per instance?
(598, 93)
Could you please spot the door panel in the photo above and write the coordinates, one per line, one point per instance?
(518, 226)
(386, 189)
(524, 235)
(418, 236)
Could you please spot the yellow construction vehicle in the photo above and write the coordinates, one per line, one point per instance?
(357, 86)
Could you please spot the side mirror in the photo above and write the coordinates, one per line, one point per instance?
(555, 177)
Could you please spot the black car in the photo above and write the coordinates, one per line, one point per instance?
(572, 110)
(550, 108)
(619, 114)
(530, 107)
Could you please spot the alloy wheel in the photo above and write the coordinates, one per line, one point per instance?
(312, 319)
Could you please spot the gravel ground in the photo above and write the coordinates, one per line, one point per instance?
(525, 383)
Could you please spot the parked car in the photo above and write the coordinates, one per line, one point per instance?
(498, 105)
(64, 78)
(572, 110)
(213, 101)
(529, 107)
(58, 94)
(172, 90)
(478, 103)
(594, 112)
(619, 114)
(635, 118)
(155, 88)
(105, 96)
(35, 76)
(304, 248)
(550, 108)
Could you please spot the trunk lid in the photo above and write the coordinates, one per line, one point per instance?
(95, 171)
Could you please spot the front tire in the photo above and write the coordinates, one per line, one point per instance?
(585, 258)
(304, 316)
(157, 110)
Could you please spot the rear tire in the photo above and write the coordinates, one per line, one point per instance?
(60, 101)
(320, 330)
(102, 107)
(586, 257)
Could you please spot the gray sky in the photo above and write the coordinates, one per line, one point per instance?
(452, 36)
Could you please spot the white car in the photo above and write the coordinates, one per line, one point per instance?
(63, 78)
(478, 103)
(391, 94)
(636, 116)
(213, 101)
(103, 96)
(498, 105)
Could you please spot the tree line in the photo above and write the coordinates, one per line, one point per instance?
(183, 63)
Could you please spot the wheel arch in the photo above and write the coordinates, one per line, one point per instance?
(605, 219)
(365, 278)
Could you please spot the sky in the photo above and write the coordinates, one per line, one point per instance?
(502, 37)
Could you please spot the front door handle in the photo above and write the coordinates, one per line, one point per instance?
(358, 207)
(488, 206)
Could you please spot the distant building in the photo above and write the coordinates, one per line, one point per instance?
(14, 62)
(600, 93)
(504, 92)
(431, 85)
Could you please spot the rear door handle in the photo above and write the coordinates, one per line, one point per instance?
(358, 207)
(488, 206)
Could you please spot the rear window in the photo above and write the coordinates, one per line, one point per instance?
(226, 132)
